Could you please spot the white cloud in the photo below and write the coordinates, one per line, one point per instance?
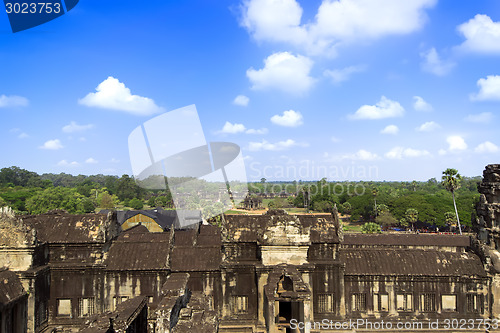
(433, 63)
(336, 22)
(289, 118)
(66, 163)
(232, 128)
(420, 104)
(74, 127)
(52, 145)
(281, 145)
(241, 100)
(428, 127)
(361, 155)
(21, 135)
(91, 160)
(390, 129)
(484, 117)
(344, 74)
(385, 108)
(487, 147)
(275, 20)
(400, 153)
(335, 139)
(12, 101)
(283, 71)
(489, 89)
(456, 143)
(257, 131)
(113, 94)
(482, 35)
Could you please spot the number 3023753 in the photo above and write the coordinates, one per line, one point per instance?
(33, 8)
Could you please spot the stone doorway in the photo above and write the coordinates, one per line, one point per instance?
(288, 310)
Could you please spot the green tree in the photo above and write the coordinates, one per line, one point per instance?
(107, 201)
(346, 207)
(136, 203)
(450, 218)
(127, 189)
(371, 228)
(451, 180)
(322, 206)
(58, 198)
(3, 203)
(385, 218)
(411, 216)
(414, 185)
(381, 208)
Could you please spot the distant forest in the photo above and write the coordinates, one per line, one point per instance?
(387, 203)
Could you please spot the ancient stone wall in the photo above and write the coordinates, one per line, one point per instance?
(486, 223)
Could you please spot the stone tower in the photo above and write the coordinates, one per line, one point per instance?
(486, 223)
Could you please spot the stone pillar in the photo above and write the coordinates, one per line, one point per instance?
(308, 316)
(342, 310)
(262, 280)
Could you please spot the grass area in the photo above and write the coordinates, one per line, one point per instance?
(235, 212)
(351, 228)
(295, 210)
(348, 226)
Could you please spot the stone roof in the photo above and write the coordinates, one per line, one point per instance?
(197, 258)
(407, 240)
(183, 311)
(410, 262)
(197, 250)
(256, 228)
(61, 227)
(125, 313)
(11, 288)
(139, 251)
(175, 285)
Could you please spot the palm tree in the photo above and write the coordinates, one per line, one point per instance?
(451, 181)
(414, 185)
(411, 216)
(375, 193)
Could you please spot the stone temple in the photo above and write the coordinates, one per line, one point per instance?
(256, 273)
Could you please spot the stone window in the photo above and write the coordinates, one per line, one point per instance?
(381, 302)
(404, 302)
(475, 303)
(325, 303)
(240, 304)
(86, 306)
(358, 302)
(449, 302)
(64, 307)
(428, 302)
(41, 313)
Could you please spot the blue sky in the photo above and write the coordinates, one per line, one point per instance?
(351, 89)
